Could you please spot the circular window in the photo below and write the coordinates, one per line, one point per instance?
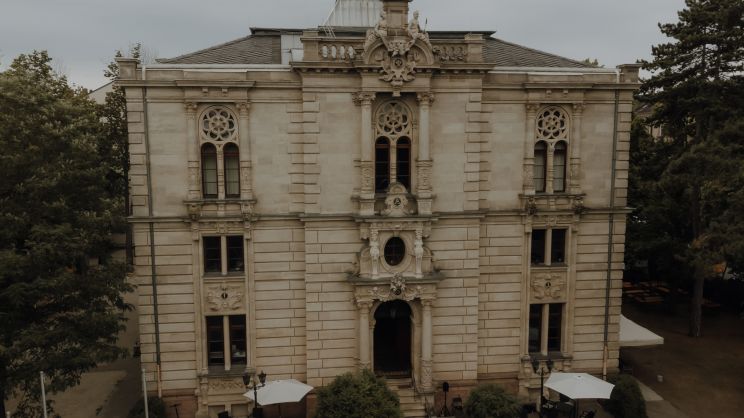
(395, 250)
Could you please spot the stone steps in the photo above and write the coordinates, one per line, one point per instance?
(411, 404)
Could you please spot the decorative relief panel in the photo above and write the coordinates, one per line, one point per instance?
(548, 286)
(397, 288)
(226, 386)
(224, 297)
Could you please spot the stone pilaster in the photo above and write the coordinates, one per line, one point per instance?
(529, 148)
(575, 145)
(477, 150)
(364, 330)
(246, 175)
(426, 346)
(192, 136)
(424, 194)
(367, 195)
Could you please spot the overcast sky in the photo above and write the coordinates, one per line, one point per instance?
(82, 35)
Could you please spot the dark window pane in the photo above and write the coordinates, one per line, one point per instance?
(403, 150)
(558, 247)
(540, 167)
(538, 247)
(395, 250)
(382, 165)
(232, 170)
(212, 255)
(237, 340)
(559, 168)
(235, 255)
(215, 341)
(555, 317)
(535, 328)
(209, 171)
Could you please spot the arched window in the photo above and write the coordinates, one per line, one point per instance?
(382, 165)
(541, 156)
(559, 167)
(232, 170)
(209, 171)
(403, 162)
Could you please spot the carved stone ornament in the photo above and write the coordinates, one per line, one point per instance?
(531, 206)
(218, 124)
(226, 386)
(396, 203)
(451, 53)
(548, 286)
(398, 290)
(224, 297)
(552, 124)
(578, 205)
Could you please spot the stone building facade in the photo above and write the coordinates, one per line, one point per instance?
(441, 206)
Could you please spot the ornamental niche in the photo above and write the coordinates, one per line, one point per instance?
(398, 50)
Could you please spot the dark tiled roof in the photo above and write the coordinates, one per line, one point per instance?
(506, 54)
(253, 49)
(264, 47)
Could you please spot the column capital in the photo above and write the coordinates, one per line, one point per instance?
(190, 108)
(578, 108)
(363, 98)
(532, 107)
(425, 98)
(364, 306)
(243, 108)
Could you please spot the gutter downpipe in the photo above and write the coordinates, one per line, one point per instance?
(151, 225)
(610, 236)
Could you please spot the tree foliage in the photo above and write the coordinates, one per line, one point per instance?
(61, 305)
(361, 395)
(491, 401)
(686, 186)
(626, 400)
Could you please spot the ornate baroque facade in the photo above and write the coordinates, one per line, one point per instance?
(445, 206)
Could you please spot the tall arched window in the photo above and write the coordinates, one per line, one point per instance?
(232, 170)
(559, 167)
(541, 156)
(382, 165)
(403, 162)
(394, 131)
(209, 171)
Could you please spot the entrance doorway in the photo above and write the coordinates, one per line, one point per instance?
(392, 339)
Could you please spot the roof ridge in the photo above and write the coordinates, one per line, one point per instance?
(210, 48)
(583, 64)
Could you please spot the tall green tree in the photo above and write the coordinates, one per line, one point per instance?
(685, 185)
(61, 305)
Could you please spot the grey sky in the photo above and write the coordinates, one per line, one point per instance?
(82, 35)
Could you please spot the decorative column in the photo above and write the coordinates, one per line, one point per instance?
(550, 171)
(575, 144)
(367, 195)
(426, 347)
(529, 149)
(192, 137)
(364, 355)
(246, 183)
(424, 190)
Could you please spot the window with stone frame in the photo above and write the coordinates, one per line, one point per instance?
(545, 330)
(220, 155)
(552, 129)
(548, 247)
(226, 342)
(393, 145)
(223, 255)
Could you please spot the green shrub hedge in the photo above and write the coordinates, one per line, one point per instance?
(360, 395)
(155, 405)
(491, 401)
(626, 400)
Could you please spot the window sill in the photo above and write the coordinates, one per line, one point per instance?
(230, 275)
(219, 371)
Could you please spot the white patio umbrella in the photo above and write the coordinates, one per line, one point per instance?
(279, 392)
(579, 386)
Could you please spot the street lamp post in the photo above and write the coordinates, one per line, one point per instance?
(250, 378)
(536, 368)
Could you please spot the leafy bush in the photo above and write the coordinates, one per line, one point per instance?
(626, 400)
(491, 401)
(155, 405)
(360, 395)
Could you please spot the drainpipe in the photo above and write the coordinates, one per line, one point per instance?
(606, 350)
(153, 269)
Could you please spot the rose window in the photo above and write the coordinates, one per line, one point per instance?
(218, 125)
(552, 123)
(393, 120)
